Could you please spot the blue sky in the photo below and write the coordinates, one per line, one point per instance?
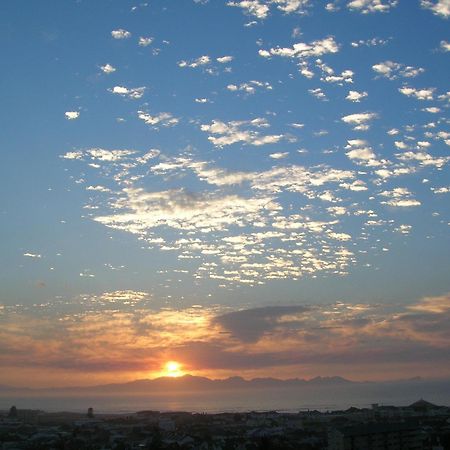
(236, 155)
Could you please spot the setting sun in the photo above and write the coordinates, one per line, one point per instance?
(173, 369)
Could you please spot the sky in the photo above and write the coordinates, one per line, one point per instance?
(254, 188)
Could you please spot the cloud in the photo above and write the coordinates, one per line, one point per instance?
(380, 340)
(369, 42)
(182, 210)
(163, 119)
(279, 155)
(98, 188)
(250, 87)
(445, 46)
(145, 41)
(32, 255)
(246, 131)
(371, 6)
(261, 8)
(424, 158)
(432, 109)
(419, 94)
(134, 93)
(251, 324)
(304, 50)
(438, 7)
(399, 197)
(108, 68)
(441, 190)
(355, 96)
(252, 7)
(120, 34)
(329, 75)
(361, 152)
(359, 120)
(72, 115)
(318, 93)
(224, 59)
(200, 61)
(433, 305)
(393, 70)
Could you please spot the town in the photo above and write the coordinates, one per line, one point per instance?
(419, 426)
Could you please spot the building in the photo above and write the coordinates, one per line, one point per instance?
(377, 436)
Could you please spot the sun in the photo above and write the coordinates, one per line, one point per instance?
(173, 369)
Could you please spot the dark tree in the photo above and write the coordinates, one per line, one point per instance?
(12, 412)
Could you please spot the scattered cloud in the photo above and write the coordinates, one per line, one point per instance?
(371, 6)
(145, 41)
(72, 115)
(445, 46)
(133, 93)
(438, 7)
(318, 93)
(163, 119)
(32, 255)
(419, 94)
(108, 68)
(261, 8)
(393, 70)
(250, 87)
(355, 96)
(246, 131)
(359, 121)
(120, 34)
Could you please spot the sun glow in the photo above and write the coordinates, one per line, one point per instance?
(173, 369)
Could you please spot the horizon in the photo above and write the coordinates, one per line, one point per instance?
(224, 188)
(186, 376)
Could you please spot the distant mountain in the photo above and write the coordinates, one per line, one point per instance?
(189, 383)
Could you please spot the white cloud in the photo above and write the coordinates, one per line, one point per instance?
(419, 94)
(163, 119)
(359, 120)
(399, 197)
(108, 68)
(432, 109)
(369, 42)
(182, 210)
(371, 6)
(145, 41)
(72, 115)
(424, 159)
(441, 190)
(202, 100)
(200, 61)
(438, 7)
(134, 93)
(331, 7)
(32, 255)
(393, 70)
(303, 50)
(329, 76)
(279, 155)
(224, 59)
(98, 188)
(445, 46)
(73, 155)
(261, 8)
(252, 7)
(355, 96)
(120, 34)
(227, 133)
(318, 93)
(250, 87)
(361, 152)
